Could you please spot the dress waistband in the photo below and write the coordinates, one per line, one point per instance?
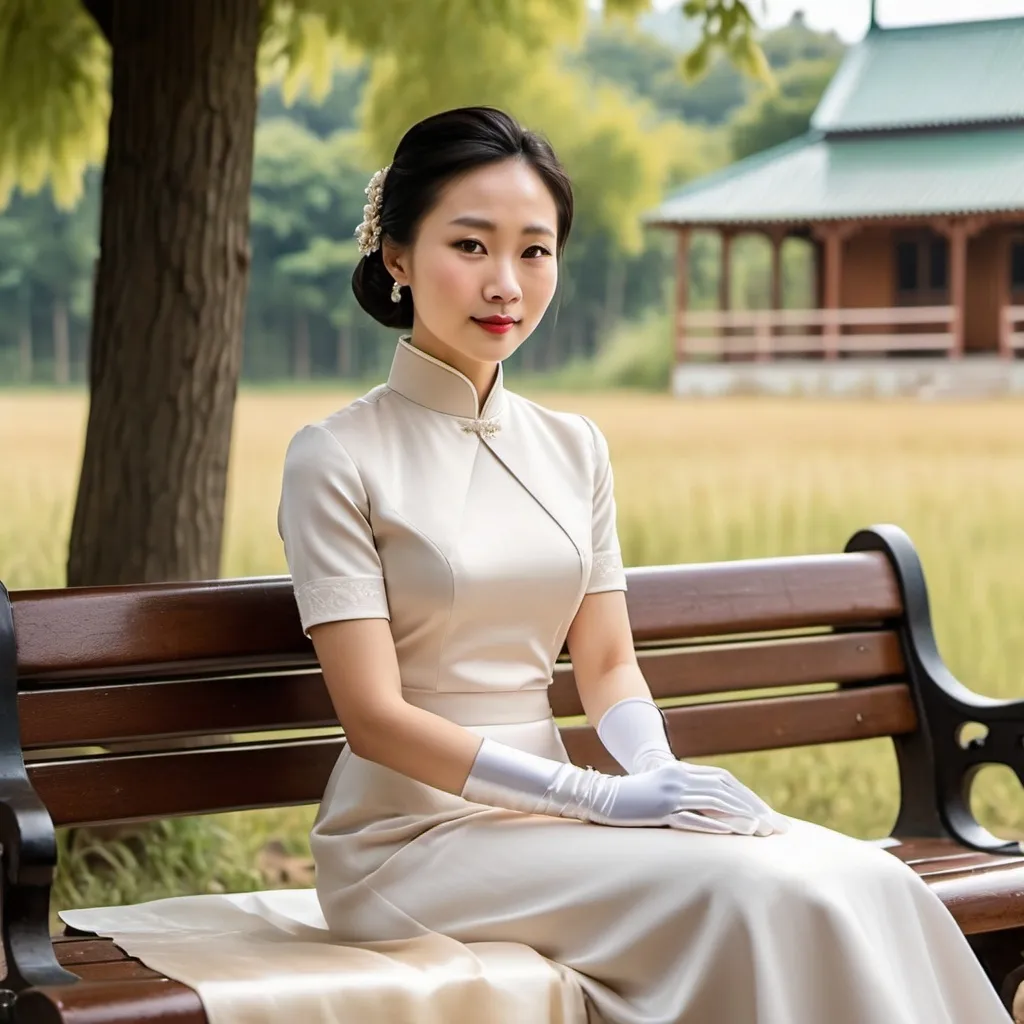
(497, 707)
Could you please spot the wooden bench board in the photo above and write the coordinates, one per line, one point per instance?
(123, 986)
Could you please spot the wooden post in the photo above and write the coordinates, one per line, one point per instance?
(958, 284)
(725, 272)
(833, 285)
(776, 237)
(725, 288)
(682, 290)
(957, 232)
(765, 348)
(831, 236)
(1003, 297)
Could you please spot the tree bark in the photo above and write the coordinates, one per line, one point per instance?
(165, 351)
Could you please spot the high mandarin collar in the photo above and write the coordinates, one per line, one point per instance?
(435, 385)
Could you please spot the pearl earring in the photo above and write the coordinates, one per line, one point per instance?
(396, 292)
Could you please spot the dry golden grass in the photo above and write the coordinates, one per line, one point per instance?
(695, 481)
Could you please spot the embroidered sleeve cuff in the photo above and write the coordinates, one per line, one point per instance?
(607, 572)
(341, 597)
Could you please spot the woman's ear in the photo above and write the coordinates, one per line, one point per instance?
(394, 261)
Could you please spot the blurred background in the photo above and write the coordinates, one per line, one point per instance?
(641, 101)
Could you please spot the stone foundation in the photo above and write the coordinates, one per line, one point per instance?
(970, 377)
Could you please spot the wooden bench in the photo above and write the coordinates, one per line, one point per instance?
(163, 662)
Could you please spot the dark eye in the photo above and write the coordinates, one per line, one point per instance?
(538, 250)
(461, 246)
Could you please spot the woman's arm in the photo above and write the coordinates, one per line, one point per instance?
(361, 671)
(360, 668)
(604, 662)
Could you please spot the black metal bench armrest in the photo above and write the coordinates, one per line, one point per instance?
(937, 764)
(27, 838)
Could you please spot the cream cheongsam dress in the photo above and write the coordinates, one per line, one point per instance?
(477, 533)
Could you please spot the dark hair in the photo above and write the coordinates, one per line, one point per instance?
(430, 154)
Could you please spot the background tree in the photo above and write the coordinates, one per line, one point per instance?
(771, 118)
(173, 268)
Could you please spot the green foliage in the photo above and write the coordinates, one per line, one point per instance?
(54, 65)
(53, 80)
(607, 94)
(644, 60)
(46, 257)
(635, 355)
(729, 28)
(773, 117)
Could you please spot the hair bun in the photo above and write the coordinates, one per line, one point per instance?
(372, 284)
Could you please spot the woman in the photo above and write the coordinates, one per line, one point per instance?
(445, 537)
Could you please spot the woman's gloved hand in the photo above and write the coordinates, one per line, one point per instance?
(767, 819)
(504, 776)
(634, 730)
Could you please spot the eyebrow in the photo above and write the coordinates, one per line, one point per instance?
(489, 225)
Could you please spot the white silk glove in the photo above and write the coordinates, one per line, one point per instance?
(635, 732)
(504, 776)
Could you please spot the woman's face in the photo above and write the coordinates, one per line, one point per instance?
(482, 266)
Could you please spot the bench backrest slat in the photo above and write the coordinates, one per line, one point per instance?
(244, 776)
(67, 716)
(737, 727)
(168, 628)
(128, 787)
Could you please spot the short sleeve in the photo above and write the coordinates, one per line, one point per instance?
(323, 519)
(606, 572)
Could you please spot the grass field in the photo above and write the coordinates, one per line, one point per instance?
(695, 481)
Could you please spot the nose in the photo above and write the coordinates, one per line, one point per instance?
(503, 286)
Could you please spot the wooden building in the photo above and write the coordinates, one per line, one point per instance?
(909, 185)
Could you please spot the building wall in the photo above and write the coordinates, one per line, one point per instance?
(987, 283)
(867, 278)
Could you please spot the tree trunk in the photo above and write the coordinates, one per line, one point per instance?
(61, 342)
(301, 356)
(165, 353)
(344, 352)
(25, 337)
(614, 293)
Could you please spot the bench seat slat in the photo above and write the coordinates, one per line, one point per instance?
(74, 950)
(95, 714)
(127, 969)
(989, 898)
(127, 1001)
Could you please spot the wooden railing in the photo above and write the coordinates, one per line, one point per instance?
(1011, 337)
(766, 333)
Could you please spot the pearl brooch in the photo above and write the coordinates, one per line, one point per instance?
(483, 428)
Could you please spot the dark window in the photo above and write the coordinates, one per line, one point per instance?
(906, 266)
(922, 267)
(1017, 265)
(938, 252)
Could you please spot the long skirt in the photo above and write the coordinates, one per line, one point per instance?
(516, 917)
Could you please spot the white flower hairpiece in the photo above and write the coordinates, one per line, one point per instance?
(368, 231)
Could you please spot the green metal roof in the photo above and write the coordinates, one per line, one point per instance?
(928, 75)
(816, 178)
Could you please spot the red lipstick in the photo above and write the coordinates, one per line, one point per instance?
(495, 324)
